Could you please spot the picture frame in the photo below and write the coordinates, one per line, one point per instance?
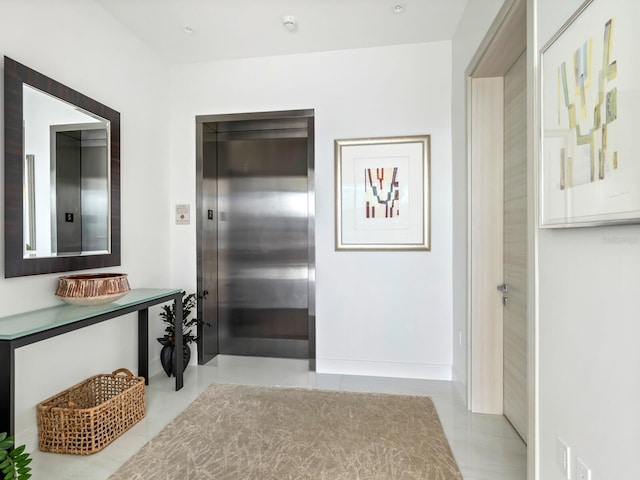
(382, 193)
(590, 166)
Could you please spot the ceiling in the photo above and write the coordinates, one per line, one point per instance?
(225, 29)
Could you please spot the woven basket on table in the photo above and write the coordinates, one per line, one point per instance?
(88, 416)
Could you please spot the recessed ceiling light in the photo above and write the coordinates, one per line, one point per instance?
(289, 22)
(398, 8)
(187, 29)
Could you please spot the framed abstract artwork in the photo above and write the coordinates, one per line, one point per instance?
(590, 96)
(382, 193)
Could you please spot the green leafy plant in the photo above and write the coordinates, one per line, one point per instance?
(13, 461)
(168, 315)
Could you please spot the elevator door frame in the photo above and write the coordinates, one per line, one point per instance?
(202, 130)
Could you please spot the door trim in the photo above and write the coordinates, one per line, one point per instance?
(486, 244)
(517, 17)
(201, 121)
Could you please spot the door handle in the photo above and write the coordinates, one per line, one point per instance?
(504, 288)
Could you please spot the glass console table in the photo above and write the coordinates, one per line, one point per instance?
(31, 327)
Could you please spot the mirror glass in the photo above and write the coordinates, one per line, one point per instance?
(66, 176)
(62, 183)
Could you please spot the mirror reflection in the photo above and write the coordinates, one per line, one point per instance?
(62, 177)
(66, 178)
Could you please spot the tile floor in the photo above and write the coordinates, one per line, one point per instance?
(485, 446)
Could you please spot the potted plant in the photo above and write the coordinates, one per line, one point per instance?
(13, 461)
(168, 316)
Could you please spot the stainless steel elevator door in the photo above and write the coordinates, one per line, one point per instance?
(262, 238)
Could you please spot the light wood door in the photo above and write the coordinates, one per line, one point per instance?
(515, 246)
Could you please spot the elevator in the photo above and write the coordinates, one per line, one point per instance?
(80, 187)
(256, 252)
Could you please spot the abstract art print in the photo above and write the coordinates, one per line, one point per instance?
(382, 193)
(590, 165)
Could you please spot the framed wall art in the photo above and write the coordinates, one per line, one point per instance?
(382, 193)
(590, 96)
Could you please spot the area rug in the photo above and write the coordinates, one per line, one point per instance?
(236, 432)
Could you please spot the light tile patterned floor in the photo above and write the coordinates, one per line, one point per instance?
(485, 446)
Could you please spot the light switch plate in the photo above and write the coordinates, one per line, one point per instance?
(563, 456)
(582, 471)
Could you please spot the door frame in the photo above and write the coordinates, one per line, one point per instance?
(514, 25)
(201, 215)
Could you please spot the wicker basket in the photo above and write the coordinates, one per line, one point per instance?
(90, 415)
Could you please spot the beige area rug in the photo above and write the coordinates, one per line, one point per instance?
(235, 432)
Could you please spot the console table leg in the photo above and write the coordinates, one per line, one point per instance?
(7, 388)
(178, 332)
(143, 344)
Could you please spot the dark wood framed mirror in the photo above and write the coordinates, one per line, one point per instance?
(62, 210)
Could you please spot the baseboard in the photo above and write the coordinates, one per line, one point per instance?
(460, 387)
(155, 366)
(383, 369)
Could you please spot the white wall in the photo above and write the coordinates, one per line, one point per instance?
(476, 20)
(589, 358)
(85, 48)
(377, 313)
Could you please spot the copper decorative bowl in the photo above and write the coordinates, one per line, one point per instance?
(92, 288)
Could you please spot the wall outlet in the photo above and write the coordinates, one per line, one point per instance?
(563, 457)
(582, 471)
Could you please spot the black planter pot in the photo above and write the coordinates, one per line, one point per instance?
(168, 356)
